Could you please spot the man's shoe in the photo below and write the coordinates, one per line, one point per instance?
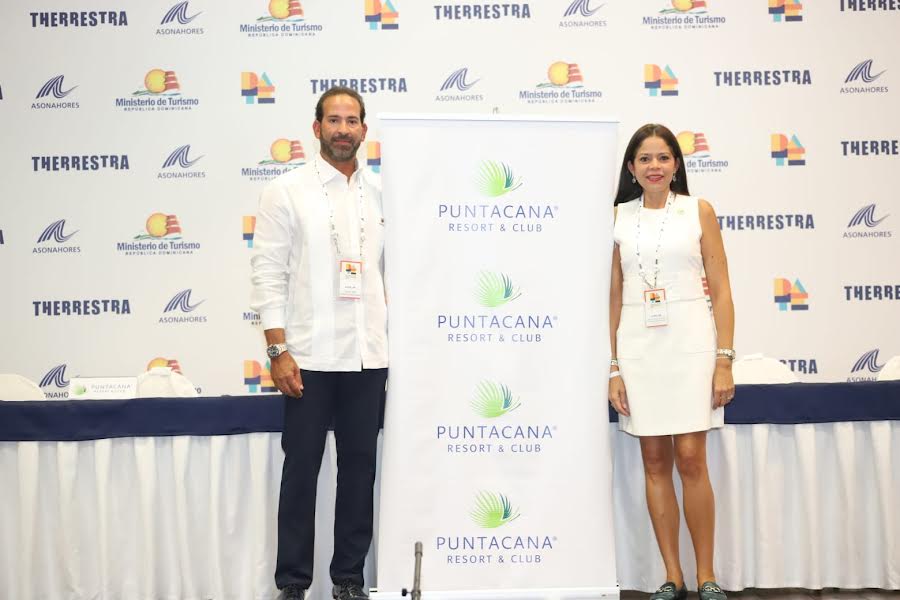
(668, 591)
(710, 590)
(348, 591)
(293, 591)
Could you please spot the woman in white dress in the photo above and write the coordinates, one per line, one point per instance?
(671, 371)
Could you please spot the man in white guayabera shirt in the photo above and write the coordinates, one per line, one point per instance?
(318, 287)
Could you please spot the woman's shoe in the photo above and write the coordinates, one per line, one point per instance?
(668, 591)
(710, 590)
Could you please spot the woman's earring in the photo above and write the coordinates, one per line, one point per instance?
(633, 180)
(674, 178)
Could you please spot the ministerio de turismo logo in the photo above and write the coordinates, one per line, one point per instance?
(564, 85)
(683, 15)
(161, 236)
(161, 92)
(282, 19)
(697, 154)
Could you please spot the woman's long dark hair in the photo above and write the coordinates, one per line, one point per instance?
(628, 190)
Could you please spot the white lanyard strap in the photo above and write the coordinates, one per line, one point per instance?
(637, 245)
(362, 212)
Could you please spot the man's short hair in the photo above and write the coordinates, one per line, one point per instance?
(340, 91)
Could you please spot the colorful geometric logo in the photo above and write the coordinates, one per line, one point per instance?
(495, 289)
(373, 156)
(693, 144)
(256, 89)
(863, 71)
(285, 152)
(790, 294)
(56, 377)
(161, 226)
(582, 8)
(54, 87)
(787, 151)
(866, 216)
(493, 400)
(257, 378)
(178, 13)
(457, 80)
(159, 82)
(55, 232)
(180, 157)
(786, 10)
(164, 362)
(182, 302)
(492, 510)
(868, 362)
(496, 179)
(381, 14)
(686, 6)
(660, 81)
(284, 10)
(249, 226)
(562, 74)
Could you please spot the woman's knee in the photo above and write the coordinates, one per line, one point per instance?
(691, 460)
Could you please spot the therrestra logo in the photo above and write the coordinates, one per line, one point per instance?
(492, 510)
(496, 179)
(495, 289)
(786, 11)
(492, 400)
(382, 14)
(660, 81)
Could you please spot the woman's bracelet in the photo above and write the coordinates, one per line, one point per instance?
(614, 362)
(726, 353)
(615, 374)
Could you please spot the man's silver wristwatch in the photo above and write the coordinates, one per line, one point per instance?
(276, 350)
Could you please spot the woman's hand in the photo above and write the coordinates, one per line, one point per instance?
(617, 396)
(723, 383)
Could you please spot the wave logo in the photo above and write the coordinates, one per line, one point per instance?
(55, 377)
(790, 294)
(178, 13)
(562, 74)
(581, 8)
(697, 7)
(693, 144)
(495, 289)
(492, 510)
(257, 378)
(55, 231)
(373, 156)
(861, 71)
(180, 157)
(866, 216)
(381, 14)
(868, 362)
(660, 81)
(54, 87)
(159, 82)
(492, 400)
(496, 179)
(285, 152)
(788, 11)
(182, 302)
(787, 151)
(284, 10)
(457, 80)
(159, 226)
(257, 89)
(159, 361)
(249, 227)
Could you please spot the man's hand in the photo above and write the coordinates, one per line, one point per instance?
(286, 375)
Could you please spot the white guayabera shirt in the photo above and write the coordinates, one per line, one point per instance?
(295, 267)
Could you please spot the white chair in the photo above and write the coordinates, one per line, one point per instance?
(16, 387)
(756, 368)
(891, 370)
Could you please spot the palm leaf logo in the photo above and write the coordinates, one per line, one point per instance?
(495, 289)
(492, 510)
(493, 400)
(496, 179)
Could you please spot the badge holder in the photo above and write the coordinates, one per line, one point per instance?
(350, 279)
(656, 313)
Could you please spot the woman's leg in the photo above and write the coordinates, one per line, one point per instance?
(658, 456)
(699, 503)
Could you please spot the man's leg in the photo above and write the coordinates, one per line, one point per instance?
(357, 415)
(306, 422)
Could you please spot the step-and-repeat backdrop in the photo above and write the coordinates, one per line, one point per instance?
(136, 137)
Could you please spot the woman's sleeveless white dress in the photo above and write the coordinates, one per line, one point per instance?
(667, 370)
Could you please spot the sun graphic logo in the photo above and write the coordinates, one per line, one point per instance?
(563, 74)
(791, 295)
(693, 144)
(55, 231)
(495, 179)
(54, 87)
(495, 289)
(787, 151)
(257, 89)
(660, 81)
(789, 11)
(182, 302)
(257, 378)
(492, 510)
(492, 400)
(159, 226)
(373, 156)
(285, 152)
(685, 6)
(249, 227)
(381, 14)
(159, 82)
(170, 363)
(284, 10)
(179, 13)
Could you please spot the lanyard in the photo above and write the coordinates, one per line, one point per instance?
(637, 245)
(362, 212)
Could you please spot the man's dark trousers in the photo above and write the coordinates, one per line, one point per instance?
(353, 402)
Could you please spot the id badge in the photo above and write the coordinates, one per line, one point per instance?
(350, 279)
(656, 312)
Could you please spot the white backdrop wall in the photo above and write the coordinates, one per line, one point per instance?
(84, 80)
